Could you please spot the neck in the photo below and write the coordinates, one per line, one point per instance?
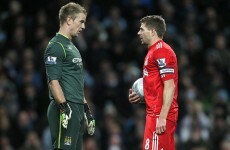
(153, 41)
(64, 31)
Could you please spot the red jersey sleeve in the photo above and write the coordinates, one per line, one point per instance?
(166, 61)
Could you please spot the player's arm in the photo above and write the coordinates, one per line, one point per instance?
(59, 97)
(53, 58)
(57, 91)
(168, 94)
(166, 61)
(90, 121)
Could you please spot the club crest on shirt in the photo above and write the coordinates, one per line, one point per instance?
(67, 140)
(161, 62)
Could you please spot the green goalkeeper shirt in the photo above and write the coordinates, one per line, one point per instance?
(63, 62)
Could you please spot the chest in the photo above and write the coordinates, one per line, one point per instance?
(73, 57)
(150, 63)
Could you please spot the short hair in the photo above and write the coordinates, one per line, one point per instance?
(71, 9)
(155, 22)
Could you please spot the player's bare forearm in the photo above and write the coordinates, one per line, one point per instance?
(168, 94)
(57, 91)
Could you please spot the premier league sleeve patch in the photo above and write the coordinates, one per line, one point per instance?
(161, 62)
(51, 60)
(163, 66)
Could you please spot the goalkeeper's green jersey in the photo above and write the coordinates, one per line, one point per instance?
(63, 62)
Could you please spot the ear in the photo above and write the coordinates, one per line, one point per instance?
(69, 20)
(153, 32)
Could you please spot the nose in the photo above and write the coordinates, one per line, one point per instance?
(83, 26)
(138, 33)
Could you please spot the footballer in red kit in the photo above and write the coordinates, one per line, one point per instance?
(160, 65)
(160, 82)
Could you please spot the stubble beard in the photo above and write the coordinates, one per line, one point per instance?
(74, 35)
(142, 41)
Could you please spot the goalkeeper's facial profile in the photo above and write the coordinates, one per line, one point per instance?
(72, 17)
(70, 10)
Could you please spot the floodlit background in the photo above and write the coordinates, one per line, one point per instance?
(197, 30)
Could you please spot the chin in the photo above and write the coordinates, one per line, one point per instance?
(142, 42)
(75, 35)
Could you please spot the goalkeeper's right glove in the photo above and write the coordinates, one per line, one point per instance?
(66, 113)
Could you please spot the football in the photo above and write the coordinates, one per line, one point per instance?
(137, 87)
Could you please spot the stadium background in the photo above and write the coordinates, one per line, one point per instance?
(198, 31)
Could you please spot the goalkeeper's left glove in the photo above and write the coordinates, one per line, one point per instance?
(90, 121)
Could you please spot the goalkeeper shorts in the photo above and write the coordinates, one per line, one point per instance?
(72, 137)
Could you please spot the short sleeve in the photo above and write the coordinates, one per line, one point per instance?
(167, 64)
(53, 59)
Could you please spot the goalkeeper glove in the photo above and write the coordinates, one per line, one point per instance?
(90, 122)
(66, 113)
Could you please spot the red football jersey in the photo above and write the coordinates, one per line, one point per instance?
(160, 65)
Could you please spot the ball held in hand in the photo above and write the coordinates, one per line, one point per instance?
(137, 87)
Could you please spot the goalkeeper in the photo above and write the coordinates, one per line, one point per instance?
(68, 112)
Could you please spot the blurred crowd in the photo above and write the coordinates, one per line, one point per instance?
(197, 30)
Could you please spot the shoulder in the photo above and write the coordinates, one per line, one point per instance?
(55, 47)
(163, 49)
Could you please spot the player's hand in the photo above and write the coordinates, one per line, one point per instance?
(133, 97)
(160, 126)
(90, 121)
(66, 113)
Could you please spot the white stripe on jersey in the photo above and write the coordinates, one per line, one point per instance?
(155, 141)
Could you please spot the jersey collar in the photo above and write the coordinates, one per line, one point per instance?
(59, 34)
(153, 46)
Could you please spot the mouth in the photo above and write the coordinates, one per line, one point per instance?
(79, 31)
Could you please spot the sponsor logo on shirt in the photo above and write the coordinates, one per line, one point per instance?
(51, 60)
(161, 62)
(76, 60)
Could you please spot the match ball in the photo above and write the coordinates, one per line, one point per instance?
(137, 87)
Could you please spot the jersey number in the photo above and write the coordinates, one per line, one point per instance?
(147, 144)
